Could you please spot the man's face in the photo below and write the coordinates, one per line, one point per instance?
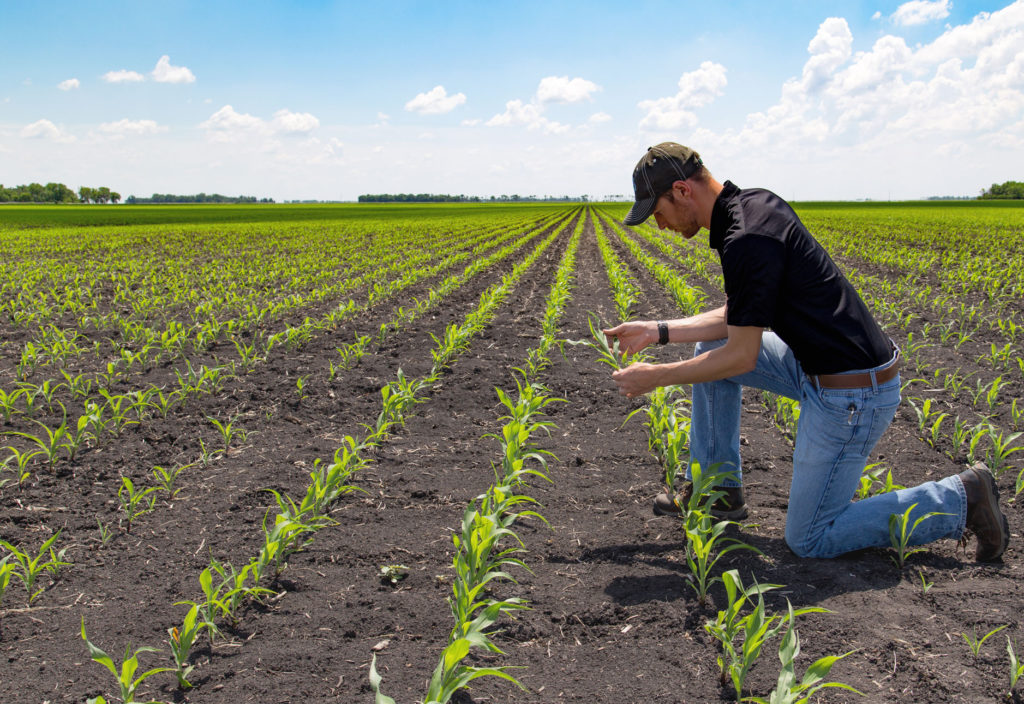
(675, 211)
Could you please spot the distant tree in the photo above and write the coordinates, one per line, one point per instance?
(1010, 190)
(86, 194)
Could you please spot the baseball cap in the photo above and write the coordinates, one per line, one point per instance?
(657, 170)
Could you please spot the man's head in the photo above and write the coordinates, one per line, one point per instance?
(657, 171)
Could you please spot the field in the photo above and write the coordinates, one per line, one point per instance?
(291, 446)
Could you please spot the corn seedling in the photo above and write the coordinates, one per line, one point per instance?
(925, 584)
(181, 642)
(18, 462)
(166, 478)
(6, 571)
(901, 532)
(227, 431)
(1016, 666)
(787, 691)
(1002, 447)
(27, 568)
(608, 351)
(134, 501)
(7, 403)
(49, 444)
(975, 643)
(706, 544)
(125, 675)
(352, 353)
(106, 534)
(726, 625)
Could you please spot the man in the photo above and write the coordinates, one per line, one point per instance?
(823, 349)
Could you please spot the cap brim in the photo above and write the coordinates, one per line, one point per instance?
(640, 211)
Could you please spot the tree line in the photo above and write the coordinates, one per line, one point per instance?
(57, 193)
(1010, 190)
(445, 198)
(197, 198)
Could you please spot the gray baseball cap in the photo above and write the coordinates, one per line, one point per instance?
(657, 170)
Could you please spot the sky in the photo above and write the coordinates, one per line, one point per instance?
(327, 100)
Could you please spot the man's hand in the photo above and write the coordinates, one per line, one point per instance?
(634, 336)
(637, 379)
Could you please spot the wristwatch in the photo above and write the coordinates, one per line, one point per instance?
(662, 332)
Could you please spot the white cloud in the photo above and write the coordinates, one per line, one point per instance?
(920, 11)
(436, 101)
(562, 89)
(127, 126)
(165, 73)
(69, 84)
(383, 116)
(529, 115)
(229, 125)
(228, 120)
(470, 123)
(599, 117)
(696, 89)
(123, 76)
(286, 121)
(44, 129)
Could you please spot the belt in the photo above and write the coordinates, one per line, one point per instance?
(857, 381)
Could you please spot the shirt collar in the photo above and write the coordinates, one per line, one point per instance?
(720, 216)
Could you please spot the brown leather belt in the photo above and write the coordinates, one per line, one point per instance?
(857, 381)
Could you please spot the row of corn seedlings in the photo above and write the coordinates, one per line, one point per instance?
(487, 543)
(688, 298)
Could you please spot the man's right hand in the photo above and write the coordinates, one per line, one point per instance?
(634, 336)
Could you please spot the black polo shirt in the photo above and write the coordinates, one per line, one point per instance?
(777, 276)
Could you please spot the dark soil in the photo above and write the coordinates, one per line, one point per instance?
(612, 618)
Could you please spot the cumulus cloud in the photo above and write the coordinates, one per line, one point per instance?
(552, 89)
(920, 12)
(44, 129)
(69, 84)
(599, 117)
(287, 121)
(123, 76)
(164, 72)
(562, 89)
(436, 101)
(126, 126)
(965, 85)
(227, 124)
(696, 89)
(528, 115)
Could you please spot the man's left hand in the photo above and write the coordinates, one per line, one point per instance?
(637, 379)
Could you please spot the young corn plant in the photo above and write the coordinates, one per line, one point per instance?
(997, 457)
(975, 643)
(18, 462)
(901, 532)
(726, 625)
(787, 690)
(608, 351)
(125, 674)
(135, 502)
(1016, 666)
(181, 641)
(167, 478)
(49, 444)
(28, 568)
(706, 544)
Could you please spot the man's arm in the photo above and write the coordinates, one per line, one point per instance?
(636, 335)
(737, 356)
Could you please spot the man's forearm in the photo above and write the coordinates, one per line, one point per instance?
(704, 327)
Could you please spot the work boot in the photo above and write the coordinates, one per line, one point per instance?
(984, 518)
(730, 507)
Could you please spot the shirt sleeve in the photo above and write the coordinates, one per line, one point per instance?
(753, 267)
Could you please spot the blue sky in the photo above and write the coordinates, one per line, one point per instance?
(327, 100)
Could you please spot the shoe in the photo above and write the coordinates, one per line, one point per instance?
(984, 518)
(730, 507)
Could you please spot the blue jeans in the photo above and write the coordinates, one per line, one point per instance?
(836, 432)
